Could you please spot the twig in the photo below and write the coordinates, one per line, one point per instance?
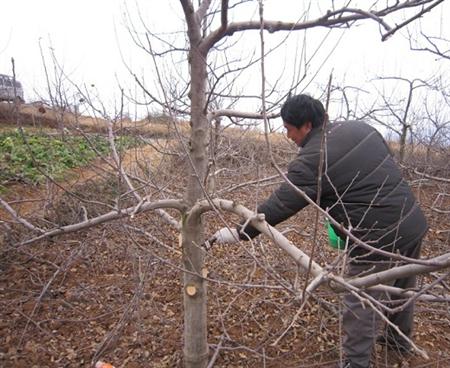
(216, 353)
(64, 267)
(406, 22)
(322, 156)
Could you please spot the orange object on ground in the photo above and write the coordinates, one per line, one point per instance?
(101, 364)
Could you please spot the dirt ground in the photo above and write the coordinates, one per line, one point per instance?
(114, 293)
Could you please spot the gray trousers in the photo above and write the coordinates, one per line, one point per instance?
(361, 323)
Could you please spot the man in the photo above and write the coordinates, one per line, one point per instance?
(363, 189)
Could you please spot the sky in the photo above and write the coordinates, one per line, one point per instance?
(90, 42)
(81, 33)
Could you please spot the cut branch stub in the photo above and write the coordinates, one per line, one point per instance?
(191, 290)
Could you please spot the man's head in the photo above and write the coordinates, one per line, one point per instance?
(301, 114)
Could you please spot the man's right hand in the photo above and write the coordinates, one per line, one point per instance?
(223, 236)
(226, 236)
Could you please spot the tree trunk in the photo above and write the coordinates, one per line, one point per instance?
(403, 142)
(195, 297)
(195, 287)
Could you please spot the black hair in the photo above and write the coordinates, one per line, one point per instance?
(299, 109)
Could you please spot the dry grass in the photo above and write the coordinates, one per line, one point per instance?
(40, 116)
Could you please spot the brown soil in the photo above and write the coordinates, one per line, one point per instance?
(111, 293)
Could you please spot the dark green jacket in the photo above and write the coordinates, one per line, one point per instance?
(361, 186)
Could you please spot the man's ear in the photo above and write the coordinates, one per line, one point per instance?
(307, 127)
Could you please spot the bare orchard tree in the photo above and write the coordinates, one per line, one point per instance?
(415, 111)
(399, 110)
(209, 27)
(434, 132)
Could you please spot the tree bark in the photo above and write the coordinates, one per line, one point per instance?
(195, 297)
(195, 287)
(403, 142)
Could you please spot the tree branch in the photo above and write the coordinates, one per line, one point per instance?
(18, 218)
(330, 19)
(321, 275)
(202, 9)
(406, 22)
(239, 114)
(113, 215)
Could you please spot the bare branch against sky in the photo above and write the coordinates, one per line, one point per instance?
(92, 44)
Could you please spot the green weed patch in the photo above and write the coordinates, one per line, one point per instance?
(29, 157)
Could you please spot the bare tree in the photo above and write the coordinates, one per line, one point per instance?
(399, 114)
(209, 27)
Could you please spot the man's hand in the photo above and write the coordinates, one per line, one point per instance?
(226, 236)
(223, 236)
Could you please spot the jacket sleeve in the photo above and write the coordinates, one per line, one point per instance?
(285, 201)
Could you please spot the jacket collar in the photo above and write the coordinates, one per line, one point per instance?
(311, 134)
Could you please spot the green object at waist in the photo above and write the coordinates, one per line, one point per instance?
(333, 239)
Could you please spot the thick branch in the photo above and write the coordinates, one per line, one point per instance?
(301, 258)
(239, 114)
(322, 275)
(19, 219)
(330, 19)
(113, 215)
(202, 9)
(436, 263)
(436, 178)
(409, 294)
